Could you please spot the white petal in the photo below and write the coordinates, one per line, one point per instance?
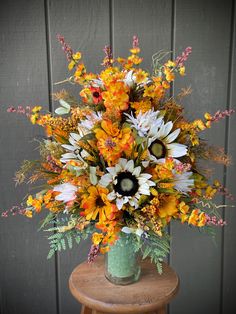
(69, 156)
(127, 230)
(172, 136)
(122, 162)
(105, 179)
(129, 166)
(69, 147)
(136, 171)
(119, 203)
(145, 175)
(118, 168)
(144, 191)
(176, 150)
(112, 171)
(145, 163)
(111, 196)
(75, 136)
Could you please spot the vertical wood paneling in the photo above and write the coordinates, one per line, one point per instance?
(31, 60)
(85, 26)
(27, 280)
(204, 25)
(150, 20)
(229, 252)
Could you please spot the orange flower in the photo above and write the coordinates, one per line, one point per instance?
(116, 95)
(112, 141)
(96, 203)
(143, 105)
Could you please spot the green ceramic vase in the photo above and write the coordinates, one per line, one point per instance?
(122, 262)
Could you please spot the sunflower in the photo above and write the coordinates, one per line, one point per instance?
(128, 183)
(96, 203)
(160, 144)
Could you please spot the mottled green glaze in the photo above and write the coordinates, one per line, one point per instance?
(122, 265)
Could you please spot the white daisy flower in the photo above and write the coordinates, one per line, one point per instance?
(75, 151)
(91, 120)
(160, 143)
(182, 180)
(146, 123)
(128, 183)
(129, 79)
(67, 192)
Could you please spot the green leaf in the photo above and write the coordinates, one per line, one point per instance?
(51, 253)
(61, 111)
(92, 175)
(69, 240)
(63, 244)
(64, 104)
(147, 251)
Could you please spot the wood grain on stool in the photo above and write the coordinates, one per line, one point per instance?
(149, 295)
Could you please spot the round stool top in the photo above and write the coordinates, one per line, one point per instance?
(90, 287)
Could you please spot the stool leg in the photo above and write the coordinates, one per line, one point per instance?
(162, 310)
(85, 310)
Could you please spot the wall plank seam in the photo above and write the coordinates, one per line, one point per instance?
(50, 90)
(227, 139)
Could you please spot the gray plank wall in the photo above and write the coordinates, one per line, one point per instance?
(31, 60)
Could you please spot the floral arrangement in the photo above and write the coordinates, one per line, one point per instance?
(124, 159)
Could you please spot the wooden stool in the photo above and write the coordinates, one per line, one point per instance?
(150, 294)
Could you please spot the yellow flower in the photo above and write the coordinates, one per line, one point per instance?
(170, 63)
(77, 56)
(28, 213)
(210, 192)
(169, 76)
(36, 109)
(135, 50)
(29, 200)
(199, 124)
(202, 220)
(141, 76)
(182, 70)
(95, 203)
(165, 84)
(184, 208)
(142, 105)
(34, 202)
(207, 116)
(149, 91)
(193, 218)
(135, 59)
(168, 206)
(97, 238)
(71, 65)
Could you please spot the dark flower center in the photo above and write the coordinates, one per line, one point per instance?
(96, 94)
(158, 149)
(99, 202)
(77, 151)
(109, 143)
(127, 184)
